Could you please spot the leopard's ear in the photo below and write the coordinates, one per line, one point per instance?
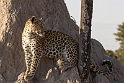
(33, 19)
(40, 19)
(42, 24)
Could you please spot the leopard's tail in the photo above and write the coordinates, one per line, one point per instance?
(104, 62)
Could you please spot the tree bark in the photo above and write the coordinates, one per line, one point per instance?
(85, 40)
(13, 14)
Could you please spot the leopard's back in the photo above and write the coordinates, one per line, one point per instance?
(60, 46)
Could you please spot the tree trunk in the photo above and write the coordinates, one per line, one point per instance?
(85, 40)
(13, 14)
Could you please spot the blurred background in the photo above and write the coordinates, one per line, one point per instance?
(107, 24)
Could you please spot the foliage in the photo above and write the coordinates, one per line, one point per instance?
(120, 37)
(120, 54)
(111, 53)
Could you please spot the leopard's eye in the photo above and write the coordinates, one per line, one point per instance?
(39, 32)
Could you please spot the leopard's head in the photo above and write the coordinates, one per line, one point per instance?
(35, 26)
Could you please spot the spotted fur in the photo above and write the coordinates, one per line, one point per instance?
(38, 42)
(104, 62)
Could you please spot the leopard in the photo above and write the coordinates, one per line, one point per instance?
(37, 42)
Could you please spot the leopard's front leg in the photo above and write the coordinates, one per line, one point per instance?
(35, 59)
(28, 56)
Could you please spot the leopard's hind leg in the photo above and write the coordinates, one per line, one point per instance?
(97, 70)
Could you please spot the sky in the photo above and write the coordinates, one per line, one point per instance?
(107, 15)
